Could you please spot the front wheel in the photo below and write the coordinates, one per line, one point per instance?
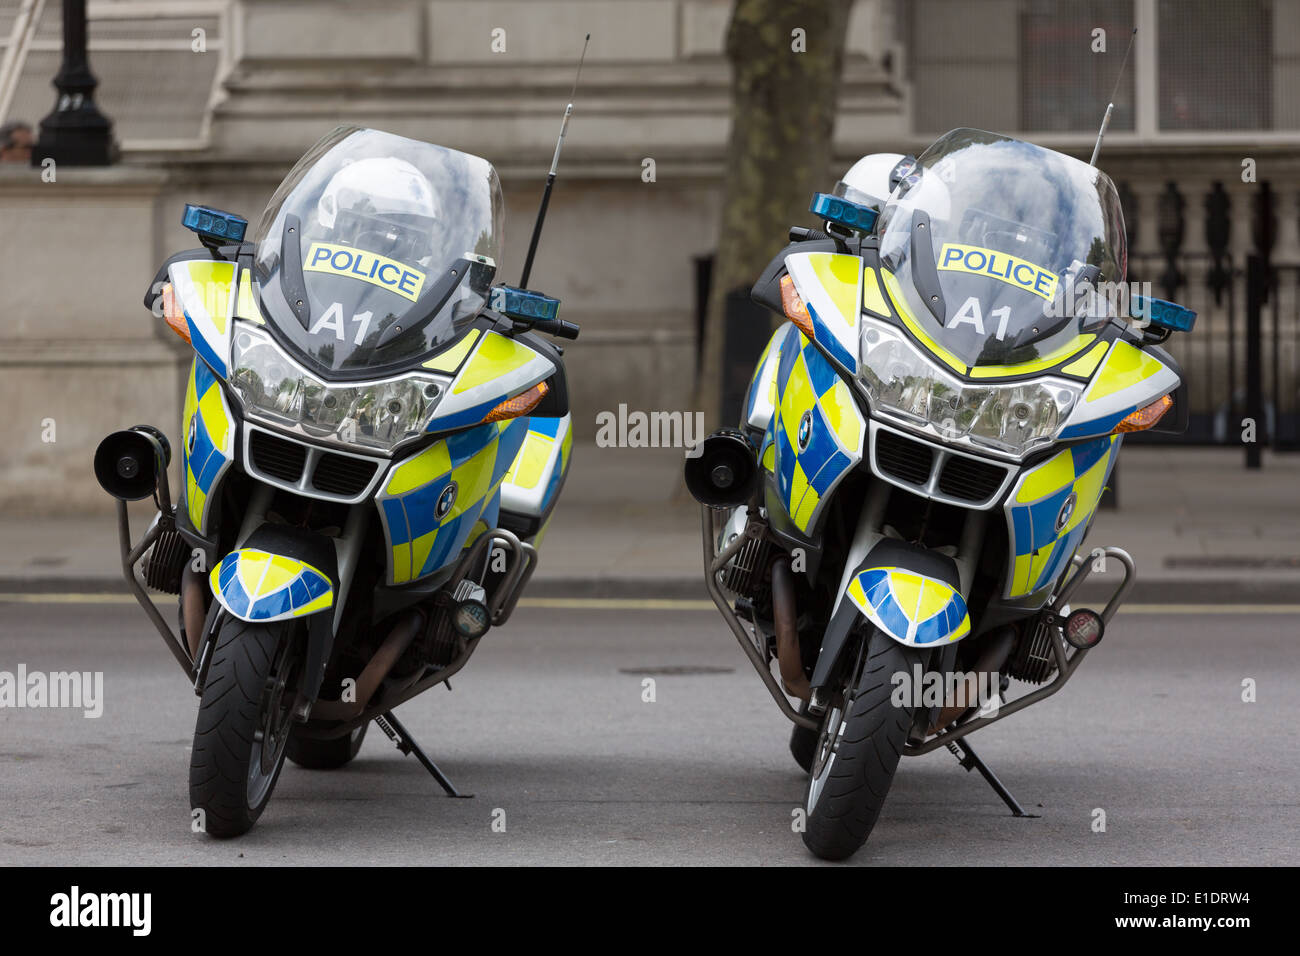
(858, 750)
(245, 720)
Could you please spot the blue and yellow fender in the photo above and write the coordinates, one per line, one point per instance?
(912, 608)
(258, 586)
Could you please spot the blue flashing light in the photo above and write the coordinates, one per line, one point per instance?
(839, 210)
(214, 224)
(1166, 315)
(522, 304)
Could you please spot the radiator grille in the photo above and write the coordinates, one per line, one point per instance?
(970, 480)
(341, 475)
(277, 457)
(904, 458)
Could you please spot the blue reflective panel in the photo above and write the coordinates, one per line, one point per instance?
(841, 211)
(522, 304)
(213, 223)
(1167, 315)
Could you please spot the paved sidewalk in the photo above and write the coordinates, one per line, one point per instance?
(1199, 526)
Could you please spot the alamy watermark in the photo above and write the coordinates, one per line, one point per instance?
(63, 689)
(919, 688)
(638, 429)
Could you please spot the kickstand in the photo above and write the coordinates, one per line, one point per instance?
(407, 745)
(969, 759)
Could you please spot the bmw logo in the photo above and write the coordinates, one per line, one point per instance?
(1067, 511)
(445, 501)
(805, 430)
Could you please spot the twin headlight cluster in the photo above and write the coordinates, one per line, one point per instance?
(1011, 418)
(376, 415)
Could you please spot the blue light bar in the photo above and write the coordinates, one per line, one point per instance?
(214, 224)
(840, 210)
(1166, 315)
(522, 304)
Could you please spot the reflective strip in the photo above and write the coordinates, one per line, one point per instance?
(530, 464)
(246, 304)
(1125, 366)
(450, 360)
(838, 274)
(872, 298)
(1052, 475)
(1087, 364)
(842, 414)
(428, 465)
(495, 356)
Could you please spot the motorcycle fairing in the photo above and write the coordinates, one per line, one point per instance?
(912, 608)
(1129, 378)
(209, 448)
(818, 430)
(760, 399)
(206, 290)
(1049, 509)
(498, 368)
(533, 481)
(255, 585)
(460, 476)
(830, 285)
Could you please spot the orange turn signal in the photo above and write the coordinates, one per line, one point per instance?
(521, 404)
(1145, 417)
(795, 310)
(173, 314)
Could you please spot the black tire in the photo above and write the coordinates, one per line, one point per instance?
(803, 744)
(232, 773)
(326, 754)
(855, 774)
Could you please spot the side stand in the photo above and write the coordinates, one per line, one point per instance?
(407, 745)
(969, 759)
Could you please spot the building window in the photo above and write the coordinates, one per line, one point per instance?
(1028, 66)
(1216, 64)
(1064, 84)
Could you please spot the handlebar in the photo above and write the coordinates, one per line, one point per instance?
(556, 327)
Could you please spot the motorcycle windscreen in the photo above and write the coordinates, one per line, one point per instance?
(994, 242)
(376, 251)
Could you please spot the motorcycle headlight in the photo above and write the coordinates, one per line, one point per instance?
(1011, 418)
(378, 415)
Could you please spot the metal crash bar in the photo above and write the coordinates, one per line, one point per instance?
(132, 555)
(1066, 664)
(712, 565)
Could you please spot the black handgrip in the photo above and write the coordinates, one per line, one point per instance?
(803, 234)
(557, 327)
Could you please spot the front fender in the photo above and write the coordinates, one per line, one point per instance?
(911, 593)
(912, 608)
(256, 585)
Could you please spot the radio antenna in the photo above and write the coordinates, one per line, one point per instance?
(550, 177)
(1110, 107)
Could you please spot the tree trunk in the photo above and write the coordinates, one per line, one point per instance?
(783, 114)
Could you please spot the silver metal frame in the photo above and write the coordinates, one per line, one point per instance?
(131, 557)
(1066, 663)
(749, 643)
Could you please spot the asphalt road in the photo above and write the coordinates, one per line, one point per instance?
(547, 724)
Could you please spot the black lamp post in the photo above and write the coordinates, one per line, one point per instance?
(76, 132)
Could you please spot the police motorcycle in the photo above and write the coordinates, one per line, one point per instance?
(921, 453)
(374, 437)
